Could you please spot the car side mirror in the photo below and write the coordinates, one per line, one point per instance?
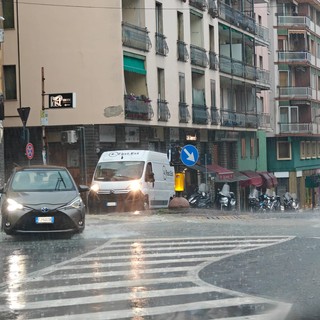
(83, 188)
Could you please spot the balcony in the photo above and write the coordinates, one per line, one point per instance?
(163, 110)
(200, 114)
(242, 20)
(263, 77)
(235, 119)
(213, 61)
(302, 93)
(135, 37)
(183, 54)
(303, 128)
(294, 21)
(198, 56)
(213, 8)
(263, 120)
(137, 107)
(161, 45)
(294, 57)
(199, 4)
(215, 116)
(184, 114)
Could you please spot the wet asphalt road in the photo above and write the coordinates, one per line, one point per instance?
(194, 262)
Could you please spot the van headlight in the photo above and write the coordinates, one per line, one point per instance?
(135, 186)
(95, 188)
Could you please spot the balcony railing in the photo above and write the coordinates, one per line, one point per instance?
(135, 37)
(242, 20)
(183, 54)
(298, 128)
(301, 21)
(215, 116)
(213, 61)
(213, 8)
(200, 114)
(163, 110)
(184, 114)
(199, 4)
(235, 119)
(264, 120)
(289, 56)
(263, 77)
(137, 107)
(161, 45)
(295, 92)
(198, 56)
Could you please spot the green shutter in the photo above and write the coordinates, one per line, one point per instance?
(135, 65)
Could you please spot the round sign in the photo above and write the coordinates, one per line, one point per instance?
(29, 150)
(189, 155)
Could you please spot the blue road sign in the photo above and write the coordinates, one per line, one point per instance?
(189, 155)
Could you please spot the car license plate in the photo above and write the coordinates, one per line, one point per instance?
(44, 219)
(111, 204)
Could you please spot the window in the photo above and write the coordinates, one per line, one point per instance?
(8, 13)
(213, 93)
(318, 149)
(159, 21)
(243, 148)
(302, 150)
(252, 155)
(10, 82)
(180, 26)
(283, 150)
(308, 150)
(314, 149)
(161, 85)
(182, 88)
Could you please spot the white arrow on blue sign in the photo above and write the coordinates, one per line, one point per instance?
(189, 155)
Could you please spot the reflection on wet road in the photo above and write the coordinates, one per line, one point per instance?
(139, 280)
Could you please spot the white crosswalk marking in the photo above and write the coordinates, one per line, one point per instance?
(141, 279)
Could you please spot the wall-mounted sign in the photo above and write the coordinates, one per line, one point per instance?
(62, 100)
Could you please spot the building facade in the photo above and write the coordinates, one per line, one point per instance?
(294, 149)
(142, 75)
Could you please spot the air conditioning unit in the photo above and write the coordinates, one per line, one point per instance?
(69, 136)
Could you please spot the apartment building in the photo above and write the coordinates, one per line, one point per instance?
(139, 74)
(294, 150)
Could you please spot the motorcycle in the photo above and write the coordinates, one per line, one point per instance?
(253, 204)
(200, 199)
(290, 202)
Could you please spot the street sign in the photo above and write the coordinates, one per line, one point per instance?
(29, 151)
(24, 114)
(189, 155)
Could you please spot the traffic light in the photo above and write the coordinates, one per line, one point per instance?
(174, 155)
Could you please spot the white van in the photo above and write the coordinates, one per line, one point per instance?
(128, 180)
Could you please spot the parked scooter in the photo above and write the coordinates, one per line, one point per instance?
(226, 198)
(290, 202)
(200, 198)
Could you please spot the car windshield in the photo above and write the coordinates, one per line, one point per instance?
(41, 180)
(119, 171)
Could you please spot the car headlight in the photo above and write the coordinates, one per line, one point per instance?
(95, 188)
(74, 204)
(13, 205)
(135, 186)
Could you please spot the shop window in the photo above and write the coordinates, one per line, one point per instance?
(302, 150)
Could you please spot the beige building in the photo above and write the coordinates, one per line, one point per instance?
(144, 75)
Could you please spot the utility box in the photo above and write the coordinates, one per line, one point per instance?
(69, 136)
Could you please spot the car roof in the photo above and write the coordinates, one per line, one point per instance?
(39, 167)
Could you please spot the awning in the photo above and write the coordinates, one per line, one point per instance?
(255, 179)
(269, 180)
(133, 64)
(221, 174)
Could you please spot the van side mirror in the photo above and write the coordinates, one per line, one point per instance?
(151, 177)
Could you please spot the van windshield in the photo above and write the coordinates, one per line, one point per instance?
(119, 171)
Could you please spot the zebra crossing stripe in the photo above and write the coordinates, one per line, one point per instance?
(138, 270)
